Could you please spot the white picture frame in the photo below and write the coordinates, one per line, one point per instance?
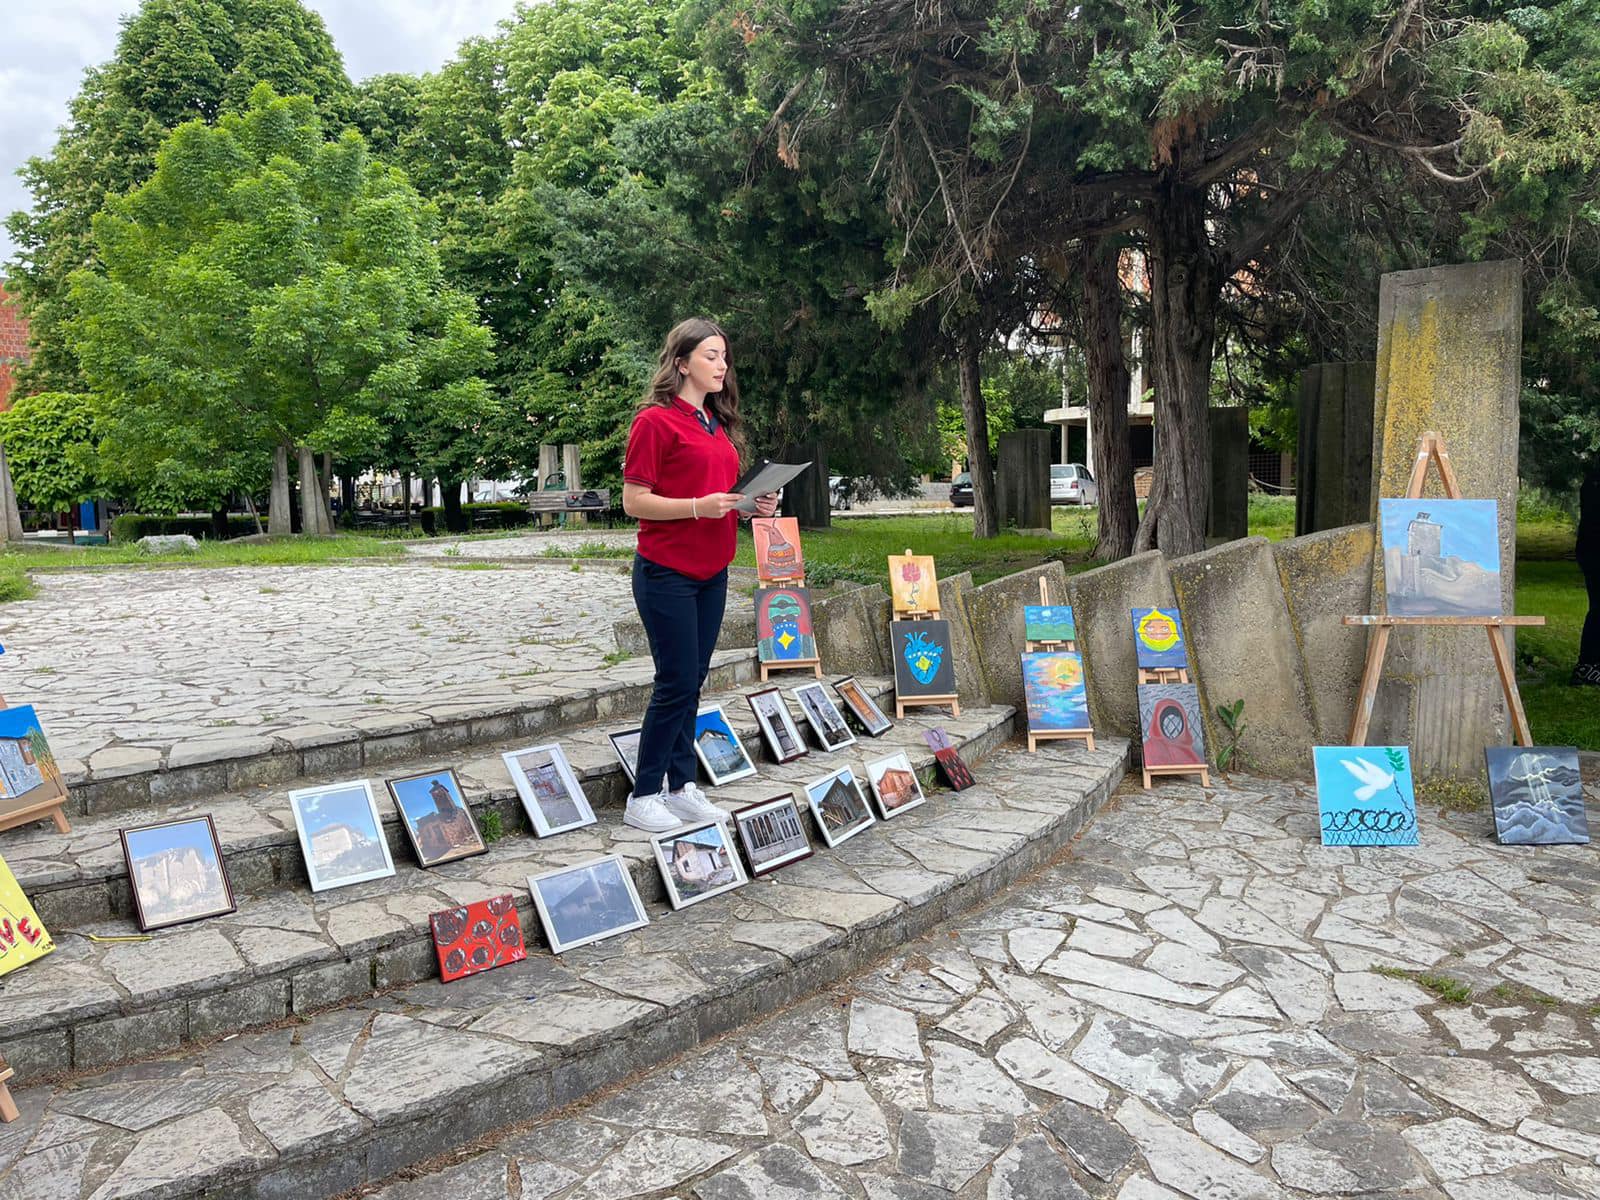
(717, 745)
(879, 774)
(538, 800)
(698, 862)
(319, 838)
(784, 740)
(823, 715)
(825, 799)
(567, 929)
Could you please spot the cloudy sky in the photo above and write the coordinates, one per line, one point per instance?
(48, 44)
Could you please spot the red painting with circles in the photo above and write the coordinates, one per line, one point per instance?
(479, 937)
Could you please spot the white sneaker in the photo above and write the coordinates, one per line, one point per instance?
(691, 805)
(649, 814)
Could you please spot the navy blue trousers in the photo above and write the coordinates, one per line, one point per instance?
(682, 617)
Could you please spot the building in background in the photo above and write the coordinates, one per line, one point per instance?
(13, 344)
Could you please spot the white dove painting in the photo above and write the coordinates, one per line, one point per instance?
(1364, 795)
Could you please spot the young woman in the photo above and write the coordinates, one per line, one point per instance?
(682, 458)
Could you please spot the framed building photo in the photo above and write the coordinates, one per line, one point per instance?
(550, 791)
(341, 834)
(436, 817)
(839, 807)
(895, 785)
(824, 717)
(697, 862)
(626, 744)
(772, 834)
(176, 871)
(586, 903)
(718, 747)
(778, 729)
(862, 707)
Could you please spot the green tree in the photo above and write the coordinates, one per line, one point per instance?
(49, 441)
(176, 61)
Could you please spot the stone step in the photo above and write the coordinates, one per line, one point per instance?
(359, 1092)
(287, 951)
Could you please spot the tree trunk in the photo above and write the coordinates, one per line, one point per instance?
(72, 524)
(347, 492)
(314, 519)
(1185, 282)
(219, 523)
(980, 463)
(10, 515)
(405, 492)
(327, 486)
(450, 502)
(1108, 398)
(255, 515)
(280, 519)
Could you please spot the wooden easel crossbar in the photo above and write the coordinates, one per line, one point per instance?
(1085, 735)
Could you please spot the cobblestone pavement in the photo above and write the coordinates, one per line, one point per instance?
(524, 545)
(118, 660)
(1200, 1001)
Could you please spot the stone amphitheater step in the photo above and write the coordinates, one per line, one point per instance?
(287, 951)
(357, 1092)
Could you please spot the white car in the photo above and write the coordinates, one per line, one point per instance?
(1071, 483)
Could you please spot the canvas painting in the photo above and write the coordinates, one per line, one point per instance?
(783, 625)
(894, 783)
(549, 788)
(477, 937)
(436, 816)
(957, 775)
(28, 772)
(777, 725)
(1441, 558)
(913, 583)
(1056, 694)
(826, 721)
(778, 553)
(626, 744)
(1158, 639)
(841, 811)
(924, 663)
(697, 862)
(1169, 720)
(176, 871)
(862, 707)
(1537, 795)
(718, 747)
(585, 903)
(23, 937)
(1364, 795)
(341, 834)
(772, 834)
(1048, 623)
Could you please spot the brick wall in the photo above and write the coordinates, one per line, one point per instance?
(13, 344)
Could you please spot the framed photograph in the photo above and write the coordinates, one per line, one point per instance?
(698, 862)
(718, 747)
(23, 937)
(341, 834)
(777, 727)
(826, 721)
(549, 788)
(626, 744)
(772, 834)
(862, 707)
(894, 783)
(176, 871)
(587, 903)
(477, 937)
(436, 817)
(1536, 792)
(839, 807)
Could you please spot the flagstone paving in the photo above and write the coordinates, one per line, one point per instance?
(1199, 1001)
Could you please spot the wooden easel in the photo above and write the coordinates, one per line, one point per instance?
(931, 612)
(52, 808)
(1086, 736)
(8, 1106)
(1170, 675)
(1430, 450)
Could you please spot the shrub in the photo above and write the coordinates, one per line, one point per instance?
(502, 514)
(130, 527)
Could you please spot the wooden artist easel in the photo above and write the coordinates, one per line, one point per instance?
(8, 1106)
(930, 612)
(814, 664)
(1086, 736)
(1430, 449)
(52, 808)
(1171, 675)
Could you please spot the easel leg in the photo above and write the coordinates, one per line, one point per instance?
(60, 818)
(1377, 648)
(8, 1106)
(1508, 684)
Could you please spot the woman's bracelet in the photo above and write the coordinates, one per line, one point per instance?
(694, 509)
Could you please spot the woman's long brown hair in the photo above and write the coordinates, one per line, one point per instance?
(664, 385)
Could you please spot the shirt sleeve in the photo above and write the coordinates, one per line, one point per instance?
(647, 447)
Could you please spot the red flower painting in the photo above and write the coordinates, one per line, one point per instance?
(478, 937)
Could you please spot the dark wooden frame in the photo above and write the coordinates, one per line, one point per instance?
(866, 726)
(222, 869)
(411, 834)
(744, 847)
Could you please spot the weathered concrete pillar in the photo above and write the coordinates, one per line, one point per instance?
(1335, 484)
(1326, 577)
(1101, 602)
(572, 468)
(1449, 359)
(1022, 479)
(549, 464)
(806, 496)
(1229, 516)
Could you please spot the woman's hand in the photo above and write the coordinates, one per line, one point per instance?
(716, 505)
(767, 505)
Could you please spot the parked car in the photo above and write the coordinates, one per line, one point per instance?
(961, 490)
(1071, 483)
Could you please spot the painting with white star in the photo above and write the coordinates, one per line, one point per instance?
(783, 625)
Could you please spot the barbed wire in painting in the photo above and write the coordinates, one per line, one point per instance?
(1369, 827)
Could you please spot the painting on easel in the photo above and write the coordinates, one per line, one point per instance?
(1537, 795)
(783, 625)
(923, 659)
(913, 584)
(1048, 623)
(1158, 639)
(1054, 686)
(1441, 558)
(1169, 719)
(778, 553)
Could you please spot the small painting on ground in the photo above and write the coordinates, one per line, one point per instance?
(924, 663)
(894, 783)
(862, 707)
(436, 816)
(824, 717)
(28, 772)
(585, 903)
(1048, 623)
(341, 834)
(626, 744)
(772, 833)
(23, 937)
(1365, 796)
(1169, 719)
(176, 871)
(783, 625)
(550, 791)
(913, 584)
(1537, 794)
(1053, 685)
(778, 553)
(957, 775)
(1158, 639)
(841, 811)
(477, 937)
(720, 751)
(778, 729)
(1441, 558)
(697, 862)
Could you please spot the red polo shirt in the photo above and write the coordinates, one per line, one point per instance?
(671, 452)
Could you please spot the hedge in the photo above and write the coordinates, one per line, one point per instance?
(130, 527)
(503, 514)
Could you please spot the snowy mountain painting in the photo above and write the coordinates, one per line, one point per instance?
(1537, 795)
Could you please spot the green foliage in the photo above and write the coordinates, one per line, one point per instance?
(491, 826)
(1397, 760)
(1233, 725)
(130, 527)
(49, 441)
(505, 514)
(1448, 988)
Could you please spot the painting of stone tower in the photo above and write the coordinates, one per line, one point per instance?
(1441, 558)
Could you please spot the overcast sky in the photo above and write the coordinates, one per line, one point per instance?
(48, 43)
